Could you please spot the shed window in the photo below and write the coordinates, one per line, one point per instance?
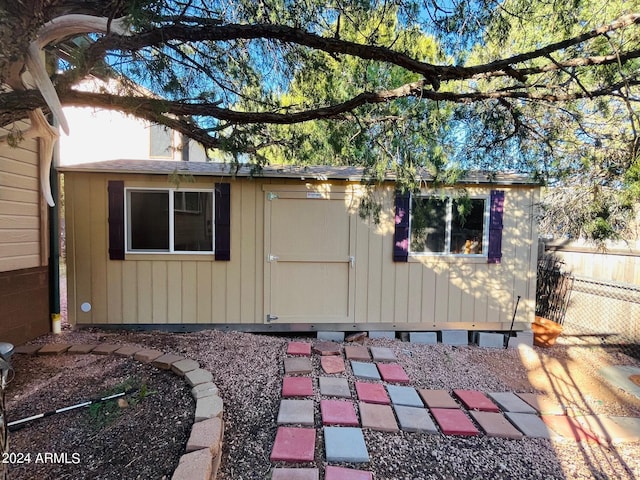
(448, 226)
(169, 220)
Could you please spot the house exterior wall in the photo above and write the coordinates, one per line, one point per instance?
(190, 290)
(24, 293)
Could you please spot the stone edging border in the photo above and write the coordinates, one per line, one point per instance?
(203, 452)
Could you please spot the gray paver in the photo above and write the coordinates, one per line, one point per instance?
(332, 336)
(382, 334)
(127, 351)
(612, 429)
(202, 390)
(147, 355)
(208, 407)
(295, 474)
(198, 376)
(184, 366)
(293, 365)
(496, 425)
(510, 402)
(619, 376)
(165, 361)
(429, 338)
(529, 424)
(382, 354)
(299, 412)
(334, 387)
(365, 370)
(412, 419)
(106, 348)
(406, 396)
(345, 444)
(455, 337)
(81, 348)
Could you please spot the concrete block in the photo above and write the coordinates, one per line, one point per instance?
(165, 361)
(490, 340)
(127, 351)
(495, 425)
(521, 338)
(194, 466)
(294, 365)
(206, 434)
(202, 390)
(106, 349)
(455, 337)
(428, 338)
(531, 425)
(208, 407)
(82, 348)
(183, 366)
(382, 334)
(198, 376)
(146, 356)
(332, 336)
(54, 349)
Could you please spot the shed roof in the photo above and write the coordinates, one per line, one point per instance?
(305, 172)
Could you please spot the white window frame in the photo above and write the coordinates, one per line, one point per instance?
(449, 217)
(170, 192)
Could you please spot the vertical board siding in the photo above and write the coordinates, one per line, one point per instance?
(196, 289)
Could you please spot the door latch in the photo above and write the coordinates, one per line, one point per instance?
(352, 261)
(273, 258)
(271, 318)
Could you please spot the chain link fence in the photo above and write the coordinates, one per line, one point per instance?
(606, 312)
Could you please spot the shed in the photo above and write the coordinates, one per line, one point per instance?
(184, 246)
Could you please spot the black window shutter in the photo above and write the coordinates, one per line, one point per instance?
(223, 221)
(116, 219)
(401, 232)
(495, 226)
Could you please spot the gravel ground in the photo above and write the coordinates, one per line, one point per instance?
(248, 370)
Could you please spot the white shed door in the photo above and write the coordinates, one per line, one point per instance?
(310, 259)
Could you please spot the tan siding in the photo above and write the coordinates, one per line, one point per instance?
(23, 233)
(204, 289)
(159, 292)
(145, 292)
(250, 248)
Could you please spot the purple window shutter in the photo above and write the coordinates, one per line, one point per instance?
(495, 226)
(223, 221)
(401, 232)
(115, 191)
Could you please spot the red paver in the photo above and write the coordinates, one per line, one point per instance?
(372, 393)
(475, 400)
(340, 473)
(378, 417)
(356, 352)
(392, 373)
(338, 412)
(453, 421)
(294, 444)
(332, 364)
(437, 398)
(297, 387)
(299, 348)
(567, 427)
(295, 474)
(327, 348)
